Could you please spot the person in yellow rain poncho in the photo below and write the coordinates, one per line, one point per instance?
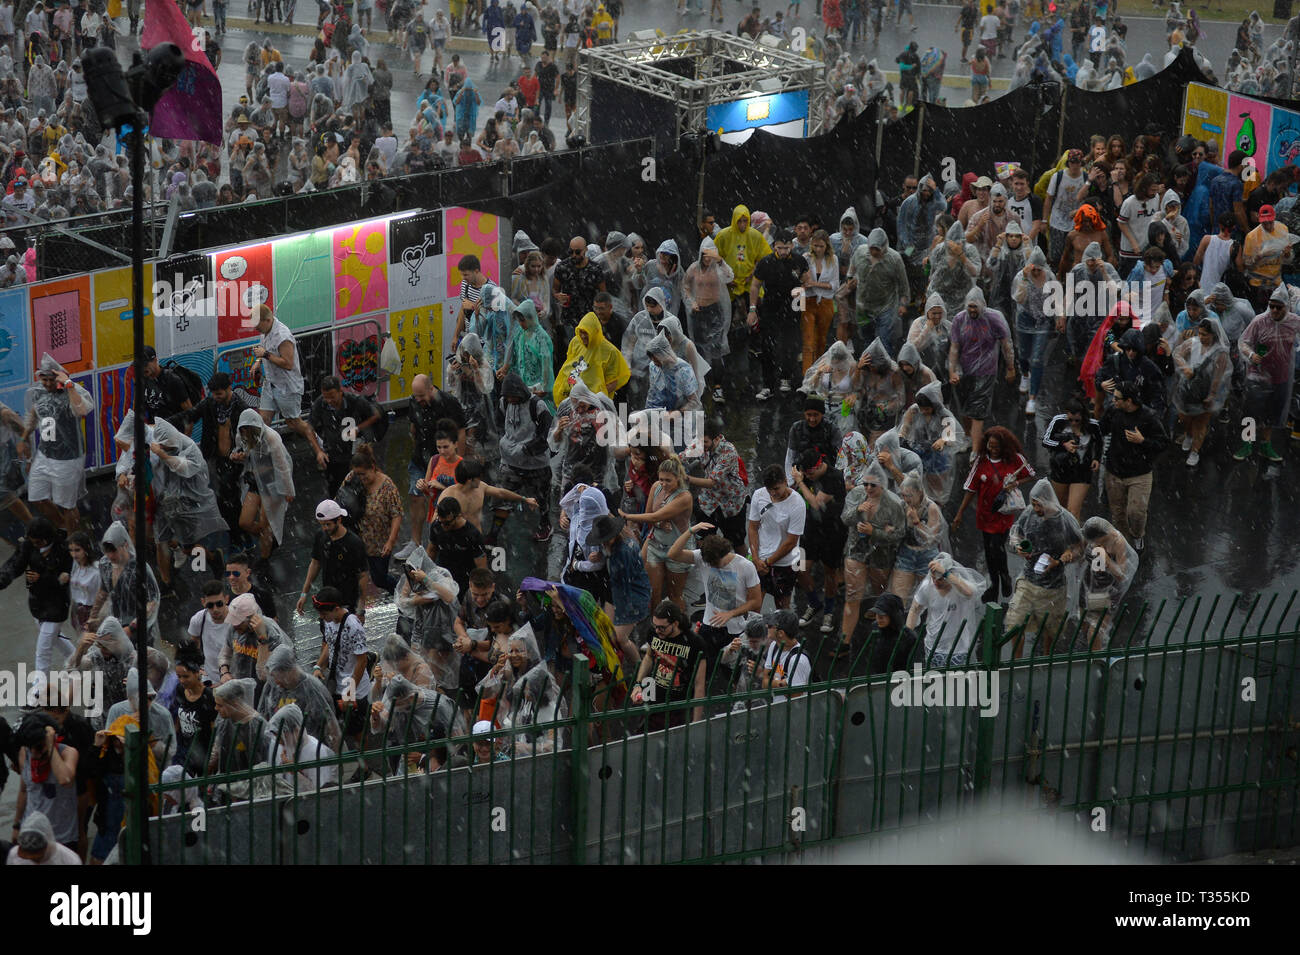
(603, 24)
(592, 360)
(741, 247)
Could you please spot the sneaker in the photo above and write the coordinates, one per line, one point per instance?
(828, 623)
(1270, 455)
(1031, 406)
(718, 396)
(1187, 443)
(1244, 451)
(1193, 459)
(763, 395)
(543, 534)
(1139, 544)
(1024, 384)
(785, 386)
(810, 614)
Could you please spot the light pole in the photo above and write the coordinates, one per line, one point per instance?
(117, 105)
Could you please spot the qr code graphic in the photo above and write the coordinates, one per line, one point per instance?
(59, 328)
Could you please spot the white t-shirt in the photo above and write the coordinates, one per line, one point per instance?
(311, 750)
(1137, 215)
(353, 644)
(285, 380)
(1064, 190)
(1023, 210)
(726, 588)
(213, 636)
(948, 615)
(989, 24)
(277, 86)
(775, 521)
(792, 666)
(83, 583)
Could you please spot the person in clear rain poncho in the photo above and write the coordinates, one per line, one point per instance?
(916, 373)
(925, 536)
(357, 80)
(1202, 384)
(930, 334)
(268, 480)
(954, 266)
(530, 352)
(117, 574)
(1109, 565)
(411, 714)
(583, 432)
(1047, 544)
(707, 302)
(526, 692)
(879, 397)
(123, 508)
(932, 432)
(187, 513)
(640, 331)
(895, 460)
(162, 730)
(55, 406)
(876, 520)
(685, 349)
(665, 272)
(109, 651)
(426, 606)
(834, 376)
(469, 381)
(949, 596)
(673, 386)
(290, 744)
(396, 656)
(287, 682)
(239, 739)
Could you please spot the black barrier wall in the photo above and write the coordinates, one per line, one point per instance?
(638, 185)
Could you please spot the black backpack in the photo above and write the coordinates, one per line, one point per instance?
(190, 379)
(352, 499)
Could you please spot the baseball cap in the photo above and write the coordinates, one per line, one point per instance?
(241, 608)
(482, 727)
(328, 510)
(1267, 213)
(983, 182)
(149, 353)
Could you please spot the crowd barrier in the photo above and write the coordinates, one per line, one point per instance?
(1176, 744)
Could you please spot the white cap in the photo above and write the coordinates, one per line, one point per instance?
(482, 727)
(328, 510)
(241, 609)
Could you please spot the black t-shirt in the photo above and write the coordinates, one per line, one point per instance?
(569, 85)
(546, 76)
(195, 719)
(674, 664)
(164, 395)
(342, 561)
(328, 423)
(456, 549)
(780, 277)
(424, 420)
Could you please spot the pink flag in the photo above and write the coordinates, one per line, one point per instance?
(192, 108)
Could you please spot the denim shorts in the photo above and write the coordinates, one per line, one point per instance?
(913, 561)
(415, 474)
(287, 405)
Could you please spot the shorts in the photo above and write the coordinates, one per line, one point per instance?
(440, 44)
(414, 474)
(855, 580)
(62, 482)
(656, 552)
(530, 482)
(1264, 402)
(1067, 469)
(910, 560)
(975, 396)
(778, 581)
(287, 404)
(824, 545)
(733, 528)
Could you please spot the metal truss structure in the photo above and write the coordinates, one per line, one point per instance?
(724, 68)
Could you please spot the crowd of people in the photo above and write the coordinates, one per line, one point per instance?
(585, 393)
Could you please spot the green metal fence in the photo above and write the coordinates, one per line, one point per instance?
(1181, 738)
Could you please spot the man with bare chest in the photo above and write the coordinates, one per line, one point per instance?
(471, 492)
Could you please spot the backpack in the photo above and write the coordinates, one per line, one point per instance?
(352, 499)
(190, 379)
(798, 651)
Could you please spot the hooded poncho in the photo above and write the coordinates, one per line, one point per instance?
(922, 432)
(1037, 542)
(597, 363)
(270, 466)
(951, 275)
(953, 618)
(187, 507)
(530, 352)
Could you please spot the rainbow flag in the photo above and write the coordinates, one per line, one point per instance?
(593, 626)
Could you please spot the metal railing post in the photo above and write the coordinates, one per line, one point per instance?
(990, 631)
(134, 752)
(579, 703)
